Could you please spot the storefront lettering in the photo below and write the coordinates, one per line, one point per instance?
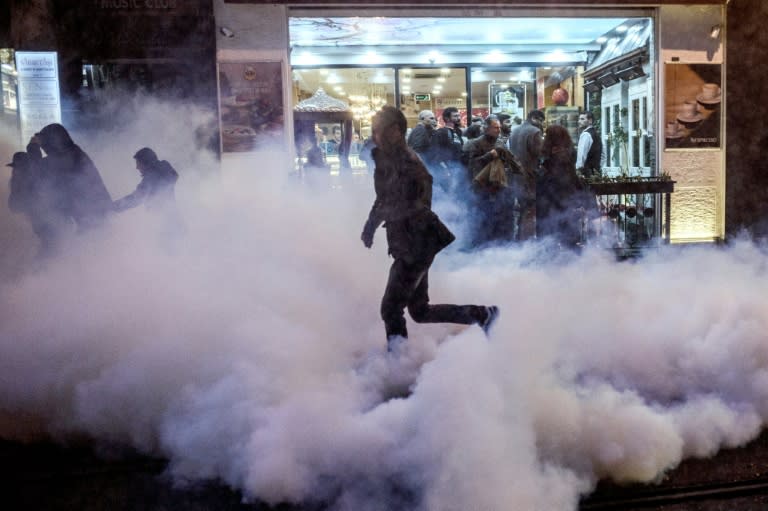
(41, 62)
(138, 4)
(704, 140)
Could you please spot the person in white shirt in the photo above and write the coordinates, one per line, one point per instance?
(590, 149)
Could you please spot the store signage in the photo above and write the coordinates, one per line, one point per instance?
(421, 97)
(38, 91)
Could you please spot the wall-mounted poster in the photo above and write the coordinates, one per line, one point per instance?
(38, 86)
(507, 99)
(251, 102)
(692, 113)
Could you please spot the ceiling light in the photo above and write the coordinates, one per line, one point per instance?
(441, 78)
(621, 29)
(601, 39)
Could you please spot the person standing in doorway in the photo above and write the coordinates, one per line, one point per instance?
(415, 234)
(590, 149)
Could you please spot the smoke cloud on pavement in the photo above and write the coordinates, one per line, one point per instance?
(250, 348)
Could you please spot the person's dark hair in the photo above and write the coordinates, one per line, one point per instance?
(536, 114)
(490, 118)
(556, 139)
(589, 115)
(448, 112)
(391, 115)
(145, 155)
(503, 117)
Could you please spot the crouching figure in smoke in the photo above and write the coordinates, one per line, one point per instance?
(156, 188)
(414, 234)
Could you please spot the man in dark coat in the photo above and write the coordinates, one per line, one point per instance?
(525, 143)
(156, 189)
(73, 182)
(445, 152)
(494, 200)
(414, 234)
(421, 135)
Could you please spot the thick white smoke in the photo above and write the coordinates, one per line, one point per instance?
(250, 348)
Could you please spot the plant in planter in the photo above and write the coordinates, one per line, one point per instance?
(619, 140)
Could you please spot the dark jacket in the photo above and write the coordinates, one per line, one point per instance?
(477, 153)
(73, 182)
(420, 138)
(525, 143)
(155, 189)
(592, 163)
(561, 198)
(403, 202)
(446, 148)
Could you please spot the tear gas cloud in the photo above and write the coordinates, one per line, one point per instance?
(250, 349)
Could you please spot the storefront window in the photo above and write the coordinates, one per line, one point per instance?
(510, 91)
(432, 89)
(358, 94)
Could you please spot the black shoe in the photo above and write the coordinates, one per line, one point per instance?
(491, 317)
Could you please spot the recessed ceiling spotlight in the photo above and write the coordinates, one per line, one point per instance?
(601, 39)
(621, 29)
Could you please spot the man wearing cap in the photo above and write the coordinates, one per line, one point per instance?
(27, 196)
(156, 189)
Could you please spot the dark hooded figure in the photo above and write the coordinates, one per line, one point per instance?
(156, 189)
(27, 196)
(73, 184)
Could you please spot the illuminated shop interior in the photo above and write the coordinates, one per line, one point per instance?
(481, 66)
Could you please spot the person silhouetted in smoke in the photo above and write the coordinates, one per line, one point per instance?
(156, 189)
(414, 233)
(74, 186)
(563, 202)
(28, 196)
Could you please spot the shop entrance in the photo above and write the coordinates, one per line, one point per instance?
(482, 66)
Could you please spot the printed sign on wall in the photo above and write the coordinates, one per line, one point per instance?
(251, 96)
(38, 95)
(692, 107)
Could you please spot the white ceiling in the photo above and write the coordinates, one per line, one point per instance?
(415, 31)
(348, 40)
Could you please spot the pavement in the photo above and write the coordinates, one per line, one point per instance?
(38, 475)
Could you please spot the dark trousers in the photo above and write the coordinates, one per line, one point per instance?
(408, 286)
